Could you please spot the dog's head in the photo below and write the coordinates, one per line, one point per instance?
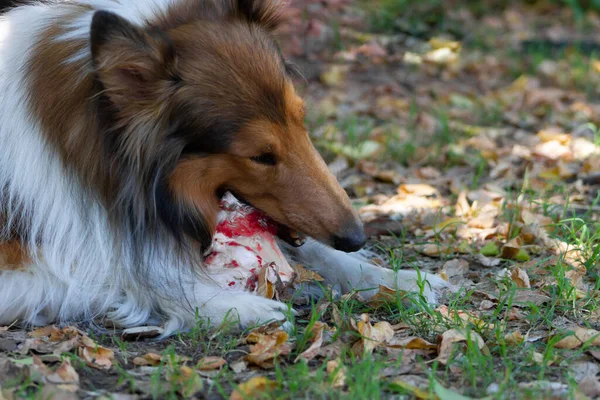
(215, 81)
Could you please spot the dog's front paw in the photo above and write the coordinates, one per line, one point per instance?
(428, 285)
(244, 308)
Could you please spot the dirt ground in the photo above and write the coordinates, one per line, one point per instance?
(466, 133)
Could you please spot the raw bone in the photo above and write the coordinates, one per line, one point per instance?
(243, 247)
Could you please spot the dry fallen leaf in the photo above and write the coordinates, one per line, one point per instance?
(64, 377)
(316, 336)
(265, 287)
(44, 346)
(371, 335)
(514, 338)
(43, 332)
(449, 338)
(411, 343)
(186, 381)
(520, 278)
(95, 355)
(210, 363)
(452, 316)
(259, 385)
(265, 347)
(337, 373)
(150, 359)
(579, 337)
(511, 249)
(305, 275)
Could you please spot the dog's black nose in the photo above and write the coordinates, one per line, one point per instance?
(350, 241)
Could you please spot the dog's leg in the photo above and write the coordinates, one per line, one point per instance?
(206, 301)
(30, 296)
(346, 272)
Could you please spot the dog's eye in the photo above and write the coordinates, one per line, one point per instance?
(265, 158)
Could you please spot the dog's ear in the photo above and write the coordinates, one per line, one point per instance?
(266, 13)
(133, 64)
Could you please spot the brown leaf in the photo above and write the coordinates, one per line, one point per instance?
(580, 336)
(265, 287)
(511, 249)
(590, 386)
(305, 275)
(371, 335)
(434, 250)
(185, 380)
(65, 333)
(468, 317)
(449, 338)
(95, 355)
(266, 347)
(317, 341)
(520, 278)
(411, 343)
(210, 363)
(514, 338)
(43, 332)
(418, 189)
(257, 386)
(149, 359)
(530, 218)
(337, 373)
(64, 377)
(43, 346)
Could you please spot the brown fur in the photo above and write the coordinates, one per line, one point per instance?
(179, 110)
(13, 257)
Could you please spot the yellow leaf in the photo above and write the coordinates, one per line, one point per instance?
(43, 332)
(412, 343)
(150, 359)
(305, 275)
(337, 372)
(452, 336)
(186, 380)
(514, 338)
(266, 347)
(548, 135)
(371, 335)
(259, 385)
(95, 355)
(439, 43)
(210, 363)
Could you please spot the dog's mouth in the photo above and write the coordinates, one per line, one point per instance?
(290, 236)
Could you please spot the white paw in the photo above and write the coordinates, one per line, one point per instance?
(427, 285)
(247, 309)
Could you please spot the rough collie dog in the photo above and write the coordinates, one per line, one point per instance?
(121, 124)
